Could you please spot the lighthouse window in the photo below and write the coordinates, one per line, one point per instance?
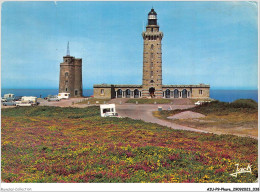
(66, 74)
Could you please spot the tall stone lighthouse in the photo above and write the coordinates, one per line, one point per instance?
(71, 75)
(152, 74)
(152, 58)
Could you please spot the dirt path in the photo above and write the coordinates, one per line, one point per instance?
(144, 112)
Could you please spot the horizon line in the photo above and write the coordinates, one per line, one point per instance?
(217, 88)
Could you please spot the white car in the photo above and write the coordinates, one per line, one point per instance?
(53, 99)
(3, 99)
(24, 104)
(201, 102)
(198, 103)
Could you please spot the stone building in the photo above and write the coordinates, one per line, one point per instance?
(71, 76)
(152, 73)
(152, 58)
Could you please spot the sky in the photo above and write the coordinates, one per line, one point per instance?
(204, 42)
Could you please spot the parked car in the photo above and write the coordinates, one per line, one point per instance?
(3, 99)
(9, 99)
(198, 103)
(53, 99)
(201, 102)
(50, 96)
(9, 103)
(24, 104)
(18, 98)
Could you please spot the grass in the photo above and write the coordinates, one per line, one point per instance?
(91, 100)
(150, 101)
(239, 117)
(56, 145)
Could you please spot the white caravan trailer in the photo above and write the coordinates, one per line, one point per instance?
(9, 95)
(64, 95)
(108, 110)
(29, 99)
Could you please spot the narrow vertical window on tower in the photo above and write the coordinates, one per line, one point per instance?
(152, 47)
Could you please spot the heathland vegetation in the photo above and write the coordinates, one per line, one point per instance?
(92, 100)
(53, 144)
(239, 117)
(149, 101)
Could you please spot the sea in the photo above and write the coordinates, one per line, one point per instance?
(221, 95)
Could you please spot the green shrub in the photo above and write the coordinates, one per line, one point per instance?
(244, 103)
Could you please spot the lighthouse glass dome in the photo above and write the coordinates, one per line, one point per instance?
(152, 17)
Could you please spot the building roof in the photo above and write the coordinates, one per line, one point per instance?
(187, 86)
(115, 86)
(152, 12)
(140, 86)
(102, 85)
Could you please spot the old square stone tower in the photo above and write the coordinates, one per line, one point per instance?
(152, 58)
(71, 75)
(152, 85)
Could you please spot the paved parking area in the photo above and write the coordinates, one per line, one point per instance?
(144, 112)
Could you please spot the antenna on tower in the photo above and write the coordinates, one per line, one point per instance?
(68, 49)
